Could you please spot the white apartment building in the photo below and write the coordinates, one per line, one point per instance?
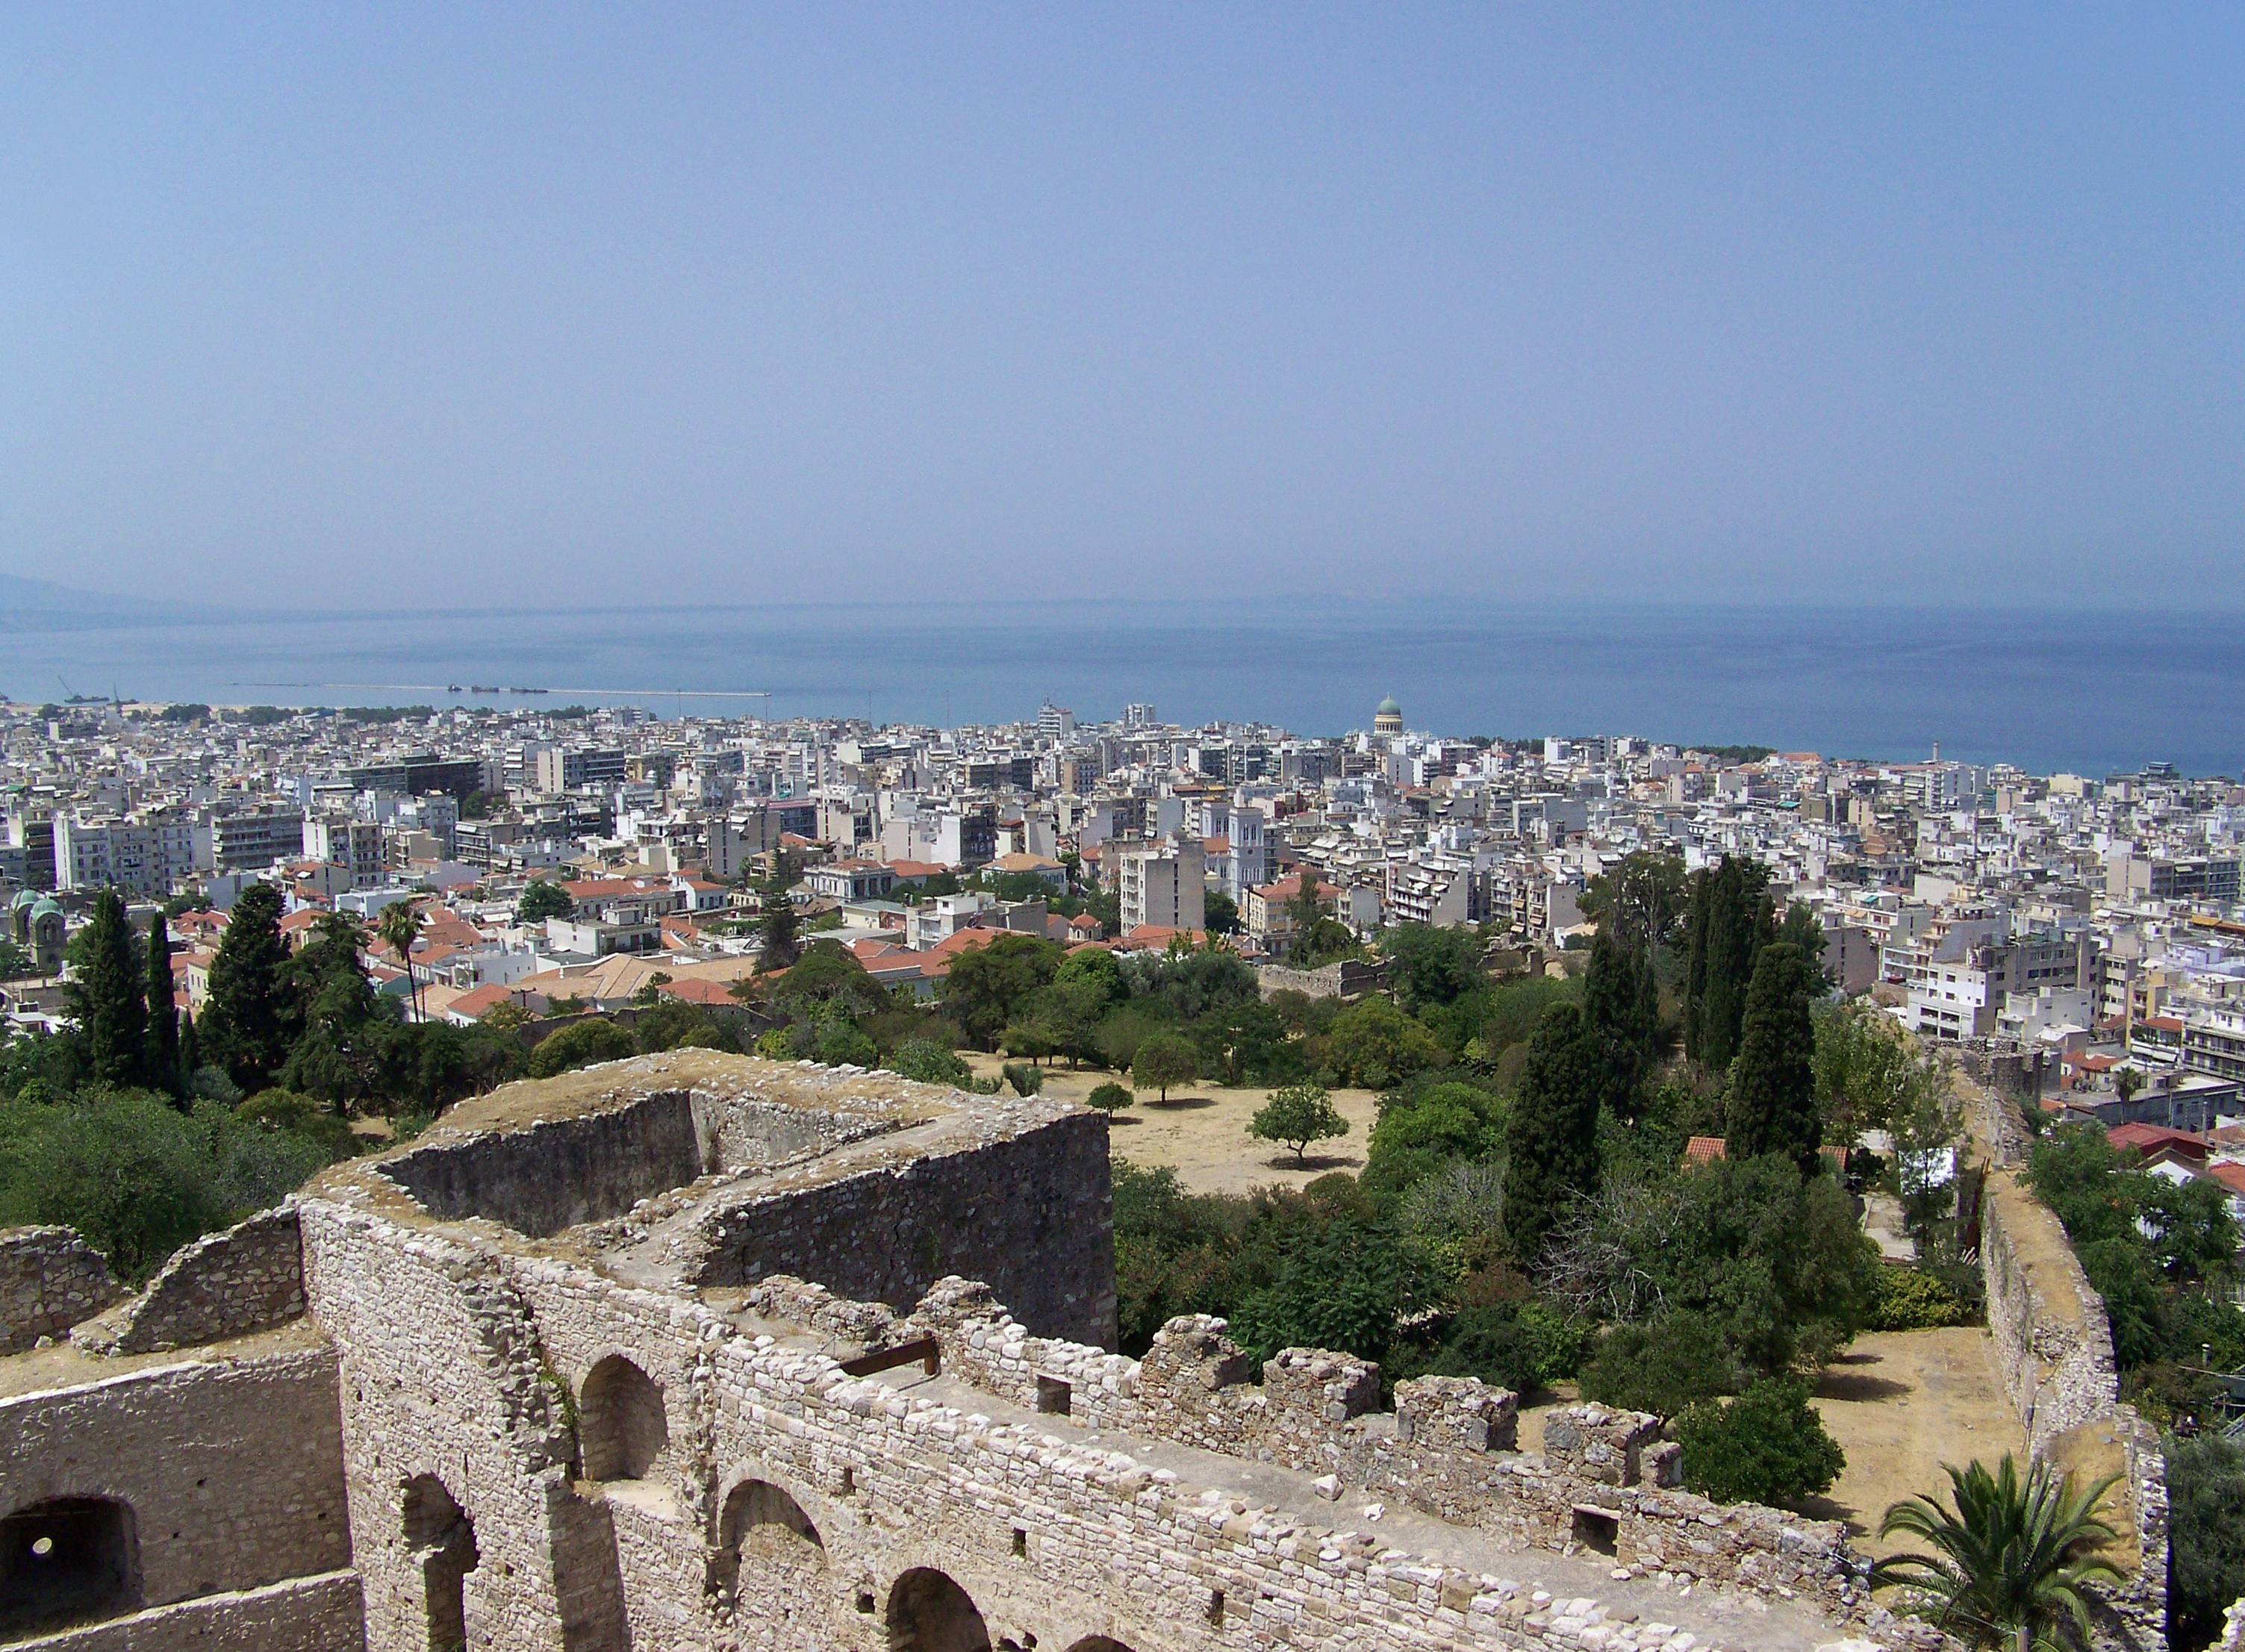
(355, 845)
(249, 840)
(1162, 882)
(145, 852)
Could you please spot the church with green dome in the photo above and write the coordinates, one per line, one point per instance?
(1387, 718)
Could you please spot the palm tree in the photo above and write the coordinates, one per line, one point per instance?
(2011, 1558)
(400, 926)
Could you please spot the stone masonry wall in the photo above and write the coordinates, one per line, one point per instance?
(50, 1280)
(540, 1178)
(1051, 1533)
(2054, 1350)
(248, 1278)
(304, 1615)
(232, 1470)
(1031, 1214)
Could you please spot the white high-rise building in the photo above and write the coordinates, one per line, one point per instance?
(1162, 882)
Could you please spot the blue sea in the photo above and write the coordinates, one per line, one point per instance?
(2046, 690)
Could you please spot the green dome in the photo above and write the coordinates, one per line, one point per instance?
(1388, 708)
(43, 909)
(22, 898)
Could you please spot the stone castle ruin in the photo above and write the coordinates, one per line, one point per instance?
(696, 1351)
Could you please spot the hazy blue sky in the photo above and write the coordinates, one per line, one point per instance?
(349, 304)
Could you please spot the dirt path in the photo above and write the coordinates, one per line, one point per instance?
(1201, 1131)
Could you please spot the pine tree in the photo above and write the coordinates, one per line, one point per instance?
(1773, 1102)
(1551, 1138)
(163, 1046)
(248, 1025)
(105, 995)
(782, 933)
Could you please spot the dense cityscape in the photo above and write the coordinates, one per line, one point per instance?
(2093, 920)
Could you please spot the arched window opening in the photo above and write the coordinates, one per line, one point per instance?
(1098, 1643)
(442, 1538)
(71, 1560)
(929, 1613)
(621, 1427)
(766, 1547)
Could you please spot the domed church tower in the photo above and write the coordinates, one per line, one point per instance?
(1389, 718)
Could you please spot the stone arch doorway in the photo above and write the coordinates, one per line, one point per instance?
(769, 1561)
(441, 1541)
(930, 1613)
(69, 1559)
(622, 1425)
(1098, 1643)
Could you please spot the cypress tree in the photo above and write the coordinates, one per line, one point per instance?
(1699, 923)
(191, 1054)
(105, 995)
(781, 934)
(163, 1049)
(1614, 1002)
(1551, 1137)
(1738, 926)
(1772, 1106)
(247, 1023)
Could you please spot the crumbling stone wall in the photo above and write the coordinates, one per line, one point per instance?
(50, 1280)
(1349, 977)
(557, 1173)
(233, 1469)
(2054, 1350)
(248, 1278)
(304, 1615)
(1031, 1214)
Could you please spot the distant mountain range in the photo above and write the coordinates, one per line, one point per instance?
(41, 604)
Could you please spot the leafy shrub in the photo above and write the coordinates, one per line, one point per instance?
(840, 1044)
(1769, 1446)
(580, 1044)
(785, 1044)
(928, 1062)
(137, 1178)
(1909, 1300)
(1343, 1285)
(1162, 1062)
(301, 1116)
(1516, 1344)
(1665, 1365)
(1025, 1079)
(1110, 1097)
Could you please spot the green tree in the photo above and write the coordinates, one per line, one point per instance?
(827, 972)
(1771, 1107)
(1622, 1006)
(1305, 912)
(1344, 1285)
(1374, 1046)
(1642, 898)
(2206, 1523)
(781, 930)
(1769, 1446)
(1732, 921)
(1295, 1116)
(982, 986)
(1551, 1137)
(1665, 1365)
(1220, 913)
(1429, 965)
(1163, 1061)
(1416, 1135)
(248, 1025)
(541, 899)
(1869, 1072)
(2010, 1559)
(580, 1044)
(106, 995)
(1110, 1097)
(164, 1070)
